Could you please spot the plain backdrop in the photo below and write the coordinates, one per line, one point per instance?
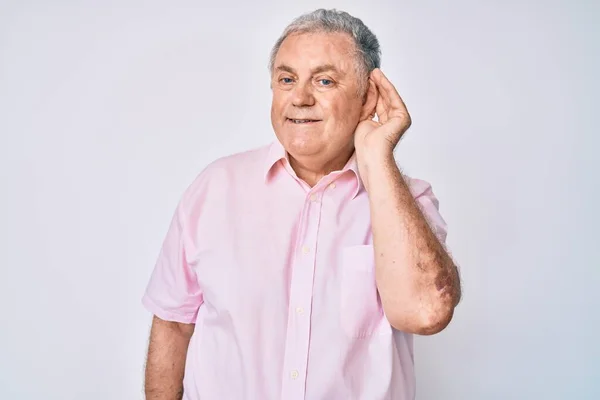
(109, 109)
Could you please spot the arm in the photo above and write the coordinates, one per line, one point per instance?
(416, 278)
(165, 363)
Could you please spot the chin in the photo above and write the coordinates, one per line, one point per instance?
(303, 144)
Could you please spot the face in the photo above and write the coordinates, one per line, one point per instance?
(316, 102)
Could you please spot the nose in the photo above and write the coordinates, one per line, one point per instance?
(303, 95)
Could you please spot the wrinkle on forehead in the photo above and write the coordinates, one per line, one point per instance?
(340, 50)
(309, 50)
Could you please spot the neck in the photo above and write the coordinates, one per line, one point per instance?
(311, 170)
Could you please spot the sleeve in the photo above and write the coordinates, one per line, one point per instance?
(173, 293)
(430, 207)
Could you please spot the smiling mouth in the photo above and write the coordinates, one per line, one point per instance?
(303, 121)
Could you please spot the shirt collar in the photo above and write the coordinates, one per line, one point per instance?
(275, 154)
(278, 153)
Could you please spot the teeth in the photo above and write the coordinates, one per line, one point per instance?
(300, 121)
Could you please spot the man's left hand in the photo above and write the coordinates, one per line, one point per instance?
(393, 119)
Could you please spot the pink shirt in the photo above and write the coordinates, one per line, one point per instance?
(279, 279)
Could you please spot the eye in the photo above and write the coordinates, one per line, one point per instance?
(326, 82)
(286, 80)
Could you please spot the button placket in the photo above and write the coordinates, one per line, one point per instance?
(300, 302)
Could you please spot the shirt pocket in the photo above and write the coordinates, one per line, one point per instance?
(361, 311)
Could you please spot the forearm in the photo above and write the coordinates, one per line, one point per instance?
(165, 364)
(416, 278)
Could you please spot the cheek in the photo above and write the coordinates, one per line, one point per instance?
(344, 115)
(275, 107)
(278, 102)
(341, 110)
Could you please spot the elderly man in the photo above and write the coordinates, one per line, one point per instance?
(301, 270)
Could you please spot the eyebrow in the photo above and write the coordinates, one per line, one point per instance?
(316, 70)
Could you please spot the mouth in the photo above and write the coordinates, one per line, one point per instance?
(303, 121)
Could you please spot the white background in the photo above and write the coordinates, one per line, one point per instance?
(109, 109)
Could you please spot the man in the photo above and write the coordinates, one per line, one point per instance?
(301, 270)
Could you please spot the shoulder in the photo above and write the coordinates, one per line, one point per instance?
(429, 204)
(419, 187)
(224, 173)
(247, 161)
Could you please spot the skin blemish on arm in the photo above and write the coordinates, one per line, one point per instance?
(443, 280)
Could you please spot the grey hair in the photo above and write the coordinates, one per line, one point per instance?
(368, 51)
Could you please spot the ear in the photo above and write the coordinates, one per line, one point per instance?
(368, 108)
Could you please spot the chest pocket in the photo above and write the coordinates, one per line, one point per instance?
(361, 311)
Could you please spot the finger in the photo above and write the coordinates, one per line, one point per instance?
(388, 92)
(378, 108)
(382, 112)
(386, 88)
(373, 92)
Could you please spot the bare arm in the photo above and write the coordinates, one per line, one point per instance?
(417, 279)
(165, 364)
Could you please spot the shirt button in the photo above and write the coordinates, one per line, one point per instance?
(332, 186)
(299, 310)
(313, 197)
(294, 374)
(305, 249)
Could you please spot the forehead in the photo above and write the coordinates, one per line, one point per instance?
(309, 50)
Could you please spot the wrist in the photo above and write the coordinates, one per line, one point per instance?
(375, 166)
(373, 158)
